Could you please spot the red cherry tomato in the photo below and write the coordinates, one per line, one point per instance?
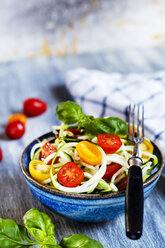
(15, 129)
(74, 131)
(70, 175)
(110, 143)
(47, 149)
(1, 156)
(122, 184)
(111, 170)
(34, 106)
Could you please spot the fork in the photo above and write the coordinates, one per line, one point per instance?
(134, 200)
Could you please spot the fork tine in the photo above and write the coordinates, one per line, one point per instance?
(133, 122)
(129, 121)
(137, 125)
(142, 122)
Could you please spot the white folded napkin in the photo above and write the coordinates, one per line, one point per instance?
(102, 94)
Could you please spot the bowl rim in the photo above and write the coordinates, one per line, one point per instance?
(82, 196)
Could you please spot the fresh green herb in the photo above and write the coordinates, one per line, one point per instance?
(41, 228)
(13, 235)
(79, 241)
(112, 125)
(71, 113)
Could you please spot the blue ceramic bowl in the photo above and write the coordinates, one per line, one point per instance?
(82, 207)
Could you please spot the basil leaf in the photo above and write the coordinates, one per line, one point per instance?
(69, 112)
(111, 125)
(40, 226)
(79, 241)
(13, 235)
(87, 124)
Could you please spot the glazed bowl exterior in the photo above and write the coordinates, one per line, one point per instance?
(82, 207)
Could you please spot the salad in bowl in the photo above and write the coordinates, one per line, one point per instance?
(87, 155)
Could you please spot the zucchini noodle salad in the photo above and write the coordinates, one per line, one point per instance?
(77, 161)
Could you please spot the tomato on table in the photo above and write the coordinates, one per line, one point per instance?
(39, 170)
(88, 152)
(46, 150)
(15, 129)
(34, 107)
(18, 117)
(122, 184)
(1, 155)
(110, 143)
(111, 170)
(70, 175)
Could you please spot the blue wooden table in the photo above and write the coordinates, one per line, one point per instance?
(45, 78)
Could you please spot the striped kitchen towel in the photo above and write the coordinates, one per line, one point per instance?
(102, 94)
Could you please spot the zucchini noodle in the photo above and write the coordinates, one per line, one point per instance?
(117, 174)
(64, 151)
(87, 186)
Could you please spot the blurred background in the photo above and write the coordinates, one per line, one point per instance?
(29, 29)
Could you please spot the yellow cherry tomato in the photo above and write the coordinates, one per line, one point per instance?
(88, 152)
(146, 146)
(18, 117)
(39, 170)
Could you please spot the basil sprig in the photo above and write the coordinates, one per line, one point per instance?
(79, 241)
(40, 226)
(71, 113)
(13, 235)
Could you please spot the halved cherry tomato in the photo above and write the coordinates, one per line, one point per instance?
(18, 117)
(146, 146)
(122, 184)
(47, 149)
(111, 170)
(110, 143)
(15, 129)
(88, 152)
(70, 175)
(38, 170)
(34, 106)
(1, 155)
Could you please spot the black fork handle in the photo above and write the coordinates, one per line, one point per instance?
(134, 203)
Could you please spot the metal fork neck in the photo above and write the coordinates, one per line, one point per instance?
(135, 160)
(136, 150)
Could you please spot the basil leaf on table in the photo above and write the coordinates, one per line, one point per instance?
(40, 226)
(69, 112)
(79, 241)
(13, 235)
